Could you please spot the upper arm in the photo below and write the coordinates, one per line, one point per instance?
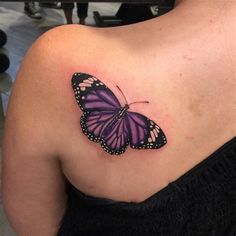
(34, 196)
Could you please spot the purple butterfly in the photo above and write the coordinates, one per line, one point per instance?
(104, 120)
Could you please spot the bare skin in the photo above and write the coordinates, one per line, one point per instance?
(183, 63)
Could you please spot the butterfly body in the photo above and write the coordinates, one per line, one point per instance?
(105, 121)
(123, 111)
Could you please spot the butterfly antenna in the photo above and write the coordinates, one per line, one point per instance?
(138, 102)
(122, 94)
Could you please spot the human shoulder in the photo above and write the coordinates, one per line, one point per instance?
(40, 97)
(59, 43)
(54, 56)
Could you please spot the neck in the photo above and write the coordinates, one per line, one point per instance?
(211, 3)
(203, 9)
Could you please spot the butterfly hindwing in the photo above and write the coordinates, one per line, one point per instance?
(103, 127)
(144, 133)
(94, 123)
(91, 94)
(115, 137)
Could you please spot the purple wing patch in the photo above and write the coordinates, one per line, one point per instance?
(106, 122)
(115, 138)
(92, 94)
(144, 133)
(94, 123)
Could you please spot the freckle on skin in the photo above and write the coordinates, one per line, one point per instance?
(189, 137)
(186, 57)
(194, 107)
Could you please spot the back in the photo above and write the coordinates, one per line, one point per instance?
(184, 66)
(190, 87)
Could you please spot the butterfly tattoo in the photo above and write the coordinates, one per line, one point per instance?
(105, 121)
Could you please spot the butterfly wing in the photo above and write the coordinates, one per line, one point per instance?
(98, 103)
(94, 123)
(92, 95)
(115, 137)
(144, 133)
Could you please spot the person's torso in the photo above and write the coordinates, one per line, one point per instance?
(185, 71)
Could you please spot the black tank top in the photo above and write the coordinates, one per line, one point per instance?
(202, 202)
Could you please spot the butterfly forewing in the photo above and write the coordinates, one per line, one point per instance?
(91, 94)
(144, 133)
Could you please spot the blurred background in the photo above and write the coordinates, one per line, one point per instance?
(21, 23)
